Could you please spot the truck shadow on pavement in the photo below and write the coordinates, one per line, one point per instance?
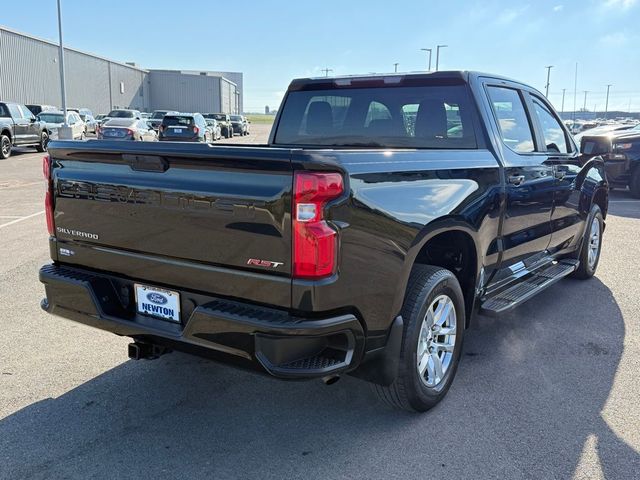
(526, 403)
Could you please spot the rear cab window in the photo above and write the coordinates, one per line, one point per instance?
(177, 120)
(426, 116)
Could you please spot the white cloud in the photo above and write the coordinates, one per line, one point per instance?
(615, 39)
(508, 15)
(558, 8)
(624, 4)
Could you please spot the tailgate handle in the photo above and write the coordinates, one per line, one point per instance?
(146, 163)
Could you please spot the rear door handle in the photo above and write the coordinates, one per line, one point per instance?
(560, 174)
(516, 180)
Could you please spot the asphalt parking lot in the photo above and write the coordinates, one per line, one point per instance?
(548, 391)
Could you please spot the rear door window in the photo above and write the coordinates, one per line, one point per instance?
(512, 118)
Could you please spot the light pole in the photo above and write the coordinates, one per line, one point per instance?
(562, 108)
(395, 67)
(326, 71)
(548, 67)
(438, 47)
(575, 92)
(64, 132)
(584, 107)
(430, 51)
(606, 105)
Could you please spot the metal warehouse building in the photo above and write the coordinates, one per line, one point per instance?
(29, 73)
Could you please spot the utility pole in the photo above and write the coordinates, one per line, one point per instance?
(64, 132)
(549, 67)
(395, 67)
(606, 105)
(326, 71)
(562, 108)
(438, 47)
(430, 51)
(575, 92)
(584, 108)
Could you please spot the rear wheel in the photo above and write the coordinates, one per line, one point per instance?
(589, 254)
(434, 319)
(44, 141)
(634, 184)
(5, 147)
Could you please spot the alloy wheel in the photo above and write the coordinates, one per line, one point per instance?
(437, 341)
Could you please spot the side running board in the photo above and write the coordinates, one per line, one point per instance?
(528, 287)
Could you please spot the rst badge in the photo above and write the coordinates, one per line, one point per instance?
(263, 263)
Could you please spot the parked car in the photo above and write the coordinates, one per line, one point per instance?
(81, 111)
(144, 115)
(36, 109)
(127, 129)
(216, 131)
(348, 244)
(124, 113)
(225, 123)
(156, 118)
(185, 127)
(52, 120)
(239, 125)
(20, 128)
(620, 150)
(90, 123)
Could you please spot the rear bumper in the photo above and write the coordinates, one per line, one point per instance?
(283, 345)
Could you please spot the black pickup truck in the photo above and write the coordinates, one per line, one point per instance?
(620, 151)
(384, 212)
(19, 127)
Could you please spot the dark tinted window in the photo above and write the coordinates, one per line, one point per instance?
(236, 118)
(177, 120)
(552, 131)
(414, 117)
(512, 118)
(158, 115)
(121, 114)
(4, 111)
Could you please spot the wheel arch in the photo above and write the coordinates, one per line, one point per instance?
(450, 244)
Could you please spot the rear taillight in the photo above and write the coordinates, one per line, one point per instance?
(315, 243)
(196, 130)
(48, 196)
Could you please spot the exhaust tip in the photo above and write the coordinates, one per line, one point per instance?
(330, 380)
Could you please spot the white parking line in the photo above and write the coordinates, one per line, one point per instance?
(624, 201)
(21, 219)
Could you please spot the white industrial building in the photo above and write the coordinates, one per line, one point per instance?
(29, 74)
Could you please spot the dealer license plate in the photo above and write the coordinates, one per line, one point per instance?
(158, 302)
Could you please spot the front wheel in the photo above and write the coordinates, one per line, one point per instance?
(589, 253)
(434, 322)
(44, 141)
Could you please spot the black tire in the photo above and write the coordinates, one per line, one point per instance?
(5, 147)
(587, 268)
(408, 391)
(44, 140)
(634, 184)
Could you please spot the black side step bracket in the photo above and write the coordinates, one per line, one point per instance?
(528, 287)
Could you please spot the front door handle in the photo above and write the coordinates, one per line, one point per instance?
(516, 180)
(560, 174)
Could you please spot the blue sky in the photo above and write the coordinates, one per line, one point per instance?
(275, 41)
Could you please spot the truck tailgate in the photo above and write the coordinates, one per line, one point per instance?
(194, 215)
